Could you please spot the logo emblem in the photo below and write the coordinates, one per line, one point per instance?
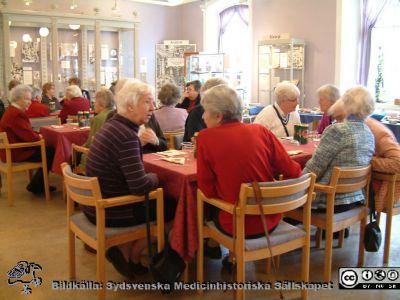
(392, 275)
(380, 275)
(25, 274)
(367, 275)
(349, 278)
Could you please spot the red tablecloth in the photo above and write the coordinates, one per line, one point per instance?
(180, 182)
(61, 139)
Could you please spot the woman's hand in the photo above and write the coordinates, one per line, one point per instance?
(148, 136)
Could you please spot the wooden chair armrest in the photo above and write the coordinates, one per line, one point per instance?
(81, 149)
(221, 204)
(118, 201)
(384, 176)
(323, 188)
(23, 145)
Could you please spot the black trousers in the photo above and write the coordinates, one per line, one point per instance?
(37, 184)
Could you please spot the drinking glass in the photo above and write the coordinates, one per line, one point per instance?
(188, 148)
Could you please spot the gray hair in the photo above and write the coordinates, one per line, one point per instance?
(358, 101)
(105, 98)
(36, 93)
(73, 90)
(337, 111)
(130, 93)
(286, 91)
(223, 99)
(168, 94)
(330, 92)
(211, 82)
(19, 91)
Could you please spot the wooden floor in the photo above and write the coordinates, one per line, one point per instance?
(35, 231)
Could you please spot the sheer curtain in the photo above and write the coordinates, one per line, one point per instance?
(226, 16)
(371, 9)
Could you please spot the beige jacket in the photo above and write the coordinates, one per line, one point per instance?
(386, 160)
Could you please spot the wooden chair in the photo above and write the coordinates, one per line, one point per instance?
(10, 167)
(343, 180)
(278, 197)
(75, 166)
(174, 139)
(86, 191)
(392, 207)
(44, 121)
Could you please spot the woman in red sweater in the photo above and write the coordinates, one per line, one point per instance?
(73, 103)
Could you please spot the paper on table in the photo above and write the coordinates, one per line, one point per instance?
(175, 160)
(57, 126)
(294, 152)
(170, 153)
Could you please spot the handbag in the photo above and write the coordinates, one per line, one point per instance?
(372, 235)
(166, 266)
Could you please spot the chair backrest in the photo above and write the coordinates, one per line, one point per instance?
(77, 149)
(36, 123)
(81, 189)
(278, 196)
(174, 139)
(3, 139)
(347, 180)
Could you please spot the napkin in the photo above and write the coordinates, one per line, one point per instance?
(175, 160)
(294, 152)
(57, 126)
(170, 153)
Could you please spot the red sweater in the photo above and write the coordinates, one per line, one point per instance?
(71, 107)
(37, 110)
(16, 123)
(236, 153)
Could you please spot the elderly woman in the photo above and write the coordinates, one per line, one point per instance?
(168, 116)
(16, 124)
(103, 106)
(191, 97)
(327, 95)
(37, 109)
(73, 103)
(76, 81)
(113, 152)
(230, 153)
(349, 144)
(49, 92)
(281, 117)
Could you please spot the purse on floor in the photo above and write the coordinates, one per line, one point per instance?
(166, 266)
(372, 235)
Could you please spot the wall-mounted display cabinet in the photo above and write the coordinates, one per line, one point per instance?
(201, 66)
(53, 48)
(280, 60)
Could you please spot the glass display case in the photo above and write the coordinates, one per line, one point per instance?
(280, 60)
(201, 66)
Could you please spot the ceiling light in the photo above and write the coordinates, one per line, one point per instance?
(28, 2)
(13, 44)
(115, 7)
(73, 4)
(44, 31)
(74, 27)
(26, 38)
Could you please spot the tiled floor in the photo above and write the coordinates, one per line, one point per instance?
(35, 231)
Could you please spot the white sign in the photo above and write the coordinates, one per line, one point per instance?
(176, 42)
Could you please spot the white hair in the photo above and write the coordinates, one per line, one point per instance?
(286, 91)
(74, 91)
(329, 91)
(358, 101)
(223, 99)
(129, 92)
(36, 93)
(19, 91)
(211, 82)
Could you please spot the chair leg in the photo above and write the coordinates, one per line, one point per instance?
(200, 264)
(9, 190)
(328, 254)
(240, 269)
(305, 269)
(30, 174)
(378, 218)
(363, 223)
(46, 185)
(341, 239)
(185, 274)
(71, 254)
(101, 272)
(1, 184)
(318, 238)
(388, 232)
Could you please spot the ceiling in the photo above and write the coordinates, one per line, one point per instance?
(164, 2)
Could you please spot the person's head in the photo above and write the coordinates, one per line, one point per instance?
(193, 90)
(337, 112)
(104, 100)
(287, 96)
(74, 81)
(211, 82)
(36, 94)
(168, 94)
(135, 101)
(358, 101)
(112, 87)
(13, 83)
(221, 104)
(72, 91)
(21, 95)
(327, 95)
(49, 89)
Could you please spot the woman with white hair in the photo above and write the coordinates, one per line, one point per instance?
(73, 103)
(37, 109)
(348, 144)
(327, 96)
(16, 124)
(281, 116)
(115, 158)
(230, 153)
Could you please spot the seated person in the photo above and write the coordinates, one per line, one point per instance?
(191, 97)
(16, 124)
(113, 152)
(348, 144)
(37, 109)
(168, 116)
(281, 116)
(194, 122)
(386, 158)
(73, 103)
(257, 155)
(49, 92)
(103, 106)
(77, 81)
(327, 95)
